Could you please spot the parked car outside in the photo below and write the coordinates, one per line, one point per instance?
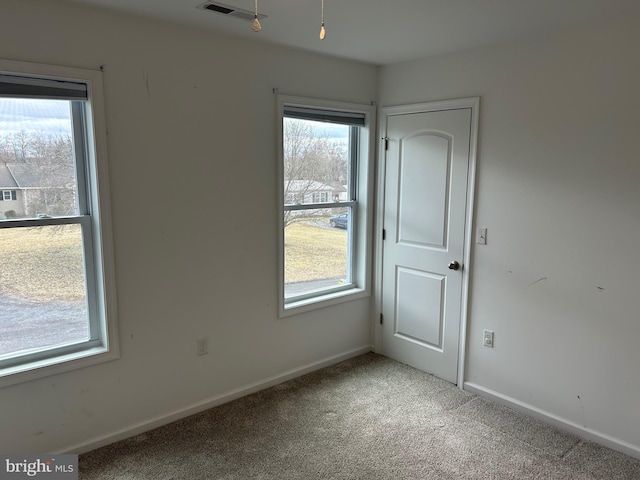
(339, 221)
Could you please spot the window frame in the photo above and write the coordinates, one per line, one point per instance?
(324, 197)
(11, 194)
(94, 219)
(361, 205)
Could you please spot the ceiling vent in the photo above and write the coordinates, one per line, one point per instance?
(230, 11)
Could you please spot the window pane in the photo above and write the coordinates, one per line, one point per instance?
(316, 250)
(316, 162)
(42, 288)
(37, 169)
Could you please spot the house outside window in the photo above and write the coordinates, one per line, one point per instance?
(8, 195)
(56, 294)
(320, 197)
(325, 164)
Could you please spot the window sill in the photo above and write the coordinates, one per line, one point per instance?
(52, 366)
(321, 301)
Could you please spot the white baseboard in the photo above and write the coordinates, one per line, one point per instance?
(556, 421)
(159, 421)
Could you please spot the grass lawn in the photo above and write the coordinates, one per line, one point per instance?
(45, 263)
(42, 263)
(314, 252)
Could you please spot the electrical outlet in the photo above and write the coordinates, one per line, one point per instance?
(487, 338)
(202, 346)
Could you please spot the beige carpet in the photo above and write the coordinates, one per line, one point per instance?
(366, 418)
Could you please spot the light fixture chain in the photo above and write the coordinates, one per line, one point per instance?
(323, 32)
(256, 23)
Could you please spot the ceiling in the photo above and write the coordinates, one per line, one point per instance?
(383, 32)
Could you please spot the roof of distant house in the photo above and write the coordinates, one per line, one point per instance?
(306, 186)
(337, 187)
(18, 175)
(6, 179)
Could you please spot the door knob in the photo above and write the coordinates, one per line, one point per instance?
(454, 265)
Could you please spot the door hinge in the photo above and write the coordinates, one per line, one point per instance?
(384, 234)
(381, 319)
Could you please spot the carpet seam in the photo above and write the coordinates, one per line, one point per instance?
(472, 397)
(508, 434)
(578, 443)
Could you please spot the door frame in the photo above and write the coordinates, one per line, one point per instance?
(474, 104)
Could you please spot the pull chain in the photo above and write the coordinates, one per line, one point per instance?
(323, 33)
(256, 23)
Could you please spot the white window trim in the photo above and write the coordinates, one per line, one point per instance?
(323, 197)
(362, 229)
(101, 217)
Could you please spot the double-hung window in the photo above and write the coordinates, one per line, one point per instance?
(8, 195)
(325, 182)
(56, 298)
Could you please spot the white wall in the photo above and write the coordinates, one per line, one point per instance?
(558, 188)
(190, 119)
(191, 122)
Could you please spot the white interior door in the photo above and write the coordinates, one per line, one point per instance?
(427, 166)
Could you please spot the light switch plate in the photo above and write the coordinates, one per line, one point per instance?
(481, 236)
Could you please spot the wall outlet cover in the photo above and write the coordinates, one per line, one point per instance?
(487, 338)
